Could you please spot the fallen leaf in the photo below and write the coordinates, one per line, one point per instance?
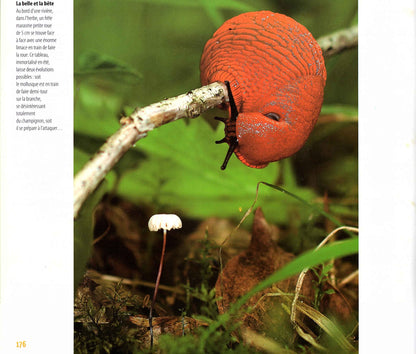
(270, 308)
(242, 272)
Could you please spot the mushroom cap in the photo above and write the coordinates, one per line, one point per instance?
(164, 222)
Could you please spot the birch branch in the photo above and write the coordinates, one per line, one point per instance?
(136, 127)
(339, 41)
(191, 105)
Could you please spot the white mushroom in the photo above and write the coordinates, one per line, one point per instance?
(163, 222)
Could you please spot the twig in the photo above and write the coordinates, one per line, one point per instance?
(191, 105)
(339, 41)
(96, 276)
(348, 278)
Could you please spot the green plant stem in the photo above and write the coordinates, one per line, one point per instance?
(318, 210)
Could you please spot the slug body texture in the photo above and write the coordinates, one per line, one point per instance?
(277, 77)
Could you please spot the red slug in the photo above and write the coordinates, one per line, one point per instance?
(275, 74)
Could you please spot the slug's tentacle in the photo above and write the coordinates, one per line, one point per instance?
(230, 128)
(276, 76)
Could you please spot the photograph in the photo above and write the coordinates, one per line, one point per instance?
(216, 176)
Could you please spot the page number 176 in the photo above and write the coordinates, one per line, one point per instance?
(21, 344)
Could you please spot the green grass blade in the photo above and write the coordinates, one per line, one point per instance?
(318, 210)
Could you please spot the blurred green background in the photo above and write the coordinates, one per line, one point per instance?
(130, 53)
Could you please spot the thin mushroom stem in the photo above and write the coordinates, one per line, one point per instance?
(156, 288)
